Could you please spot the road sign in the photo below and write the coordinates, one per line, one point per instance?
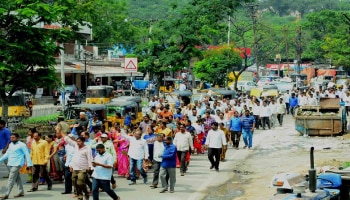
(130, 65)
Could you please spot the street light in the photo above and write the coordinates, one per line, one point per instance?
(86, 82)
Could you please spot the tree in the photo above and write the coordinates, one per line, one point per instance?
(217, 63)
(110, 22)
(27, 51)
(327, 35)
(173, 41)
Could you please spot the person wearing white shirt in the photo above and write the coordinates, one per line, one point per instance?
(265, 114)
(158, 151)
(256, 113)
(198, 126)
(221, 119)
(192, 116)
(153, 102)
(273, 110)
(302, 99)
(183, 142)
(311, 101)
(182, 87)
(215, 141)
(138, 151)
(281, 111)
(346, 99)
(239, 108)
(103, 170)
(286, 97)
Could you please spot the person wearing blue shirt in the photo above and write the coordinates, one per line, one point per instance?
(178, 114)
(5, 134)
(17, 155)
(168, 165)
(150, 138)
(178, 102)
(101, 177)
(293, 103)
(248, 125)
(235, 129)
(127, 120)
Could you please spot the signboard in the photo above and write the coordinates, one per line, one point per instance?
(130, 65)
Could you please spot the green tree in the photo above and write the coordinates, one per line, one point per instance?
(26, 51)
(327, 35)
(217, 63)
(110, 22)
(174, 45)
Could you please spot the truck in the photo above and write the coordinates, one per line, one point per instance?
(326, 119)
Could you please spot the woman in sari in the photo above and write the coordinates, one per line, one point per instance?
(122, 147)
(29, 142)
(54, 166)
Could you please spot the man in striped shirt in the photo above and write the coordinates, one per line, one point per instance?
(248, 125)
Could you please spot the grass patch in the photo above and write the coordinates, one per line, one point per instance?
(346, 164)
(41, 119)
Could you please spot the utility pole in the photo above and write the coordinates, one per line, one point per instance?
(229, 31)
(286, 42)
(252, 7)
(299, 49)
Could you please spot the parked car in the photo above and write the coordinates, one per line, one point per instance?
(244, 86)
(71, 91)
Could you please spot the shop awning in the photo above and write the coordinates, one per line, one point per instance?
(103, 71)
(69, 69)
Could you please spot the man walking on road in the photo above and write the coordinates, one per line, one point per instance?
(286, 97)
(80, 165)
(103, 165)
(15, 155)
(157, 159)
(281, 110)
(138, 151)
(235, 129)
(248, 125)
(183, 142)
(5, 134)
(40, 153)
(215, 141)
(168, 166)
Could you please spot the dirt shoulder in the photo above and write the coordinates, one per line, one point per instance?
(278, 150)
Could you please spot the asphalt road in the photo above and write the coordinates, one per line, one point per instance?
(192, 186)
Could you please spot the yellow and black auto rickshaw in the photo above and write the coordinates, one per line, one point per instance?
(117, 110)
(136, 99)
(170, 85)
(99, 94)
(73, 112)
(20, 106)
(222, 93)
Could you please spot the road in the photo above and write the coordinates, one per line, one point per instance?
(244, 176)
(192, 186)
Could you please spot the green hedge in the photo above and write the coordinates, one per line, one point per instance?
(41, 119)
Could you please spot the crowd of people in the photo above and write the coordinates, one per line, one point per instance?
(86, 155)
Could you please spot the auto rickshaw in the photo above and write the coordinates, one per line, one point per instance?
(99, 94)
(221, 93)
(170, 84)
(116, 112)
(19, 106)
(136, 99)
(72, 113)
